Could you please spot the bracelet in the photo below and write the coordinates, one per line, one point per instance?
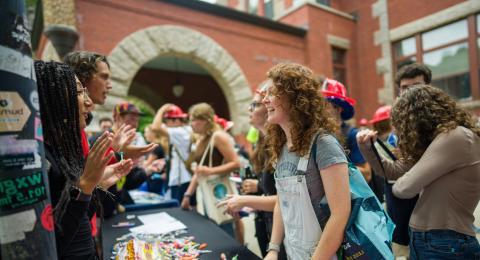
(273, 247)
(187, 195)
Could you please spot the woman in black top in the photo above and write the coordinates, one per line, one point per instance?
(264, 186)
(64, 106)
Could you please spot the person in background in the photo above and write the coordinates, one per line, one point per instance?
(126, 116)
(156, 161)
(260, 194)
(73, 179)
(399, 210)
(224, 158)
(363, 123)
(342, 109)
(440, 161)
(298, 116)
(170, 121)
(412, 74)
(105, 124)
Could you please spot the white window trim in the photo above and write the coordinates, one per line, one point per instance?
(437, 19)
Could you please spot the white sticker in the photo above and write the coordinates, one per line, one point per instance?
(34, 100)
(17, 63)
(13, 227)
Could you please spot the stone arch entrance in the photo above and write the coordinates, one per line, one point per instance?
(142, 46)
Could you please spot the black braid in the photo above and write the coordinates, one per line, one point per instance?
(61, 128)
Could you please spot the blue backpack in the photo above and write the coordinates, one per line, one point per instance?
(368, 233)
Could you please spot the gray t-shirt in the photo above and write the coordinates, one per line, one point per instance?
(329, 152)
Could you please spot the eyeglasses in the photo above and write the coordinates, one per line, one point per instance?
(254, 105)
(84, 92)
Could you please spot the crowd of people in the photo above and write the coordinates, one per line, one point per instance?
(421, 159)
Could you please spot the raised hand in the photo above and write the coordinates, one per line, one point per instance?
(114, 172)
(364, 137)
(123, 137)
(134, 152)
(96, 162)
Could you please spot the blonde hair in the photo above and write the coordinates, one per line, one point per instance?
(204, 111)
(159, 138)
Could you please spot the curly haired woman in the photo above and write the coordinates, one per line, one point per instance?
(296, 114)
(440, 148)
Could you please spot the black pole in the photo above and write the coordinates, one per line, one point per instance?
(26, 223)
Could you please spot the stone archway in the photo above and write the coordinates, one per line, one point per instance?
(142, 46)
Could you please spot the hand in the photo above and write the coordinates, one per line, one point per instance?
(203, 171)
(250, 186)
(233, 204)
(123, 137)
(114, 172)
(186, 203)
(271, 255)
(135, 152)
(364, 137)
(96, 162)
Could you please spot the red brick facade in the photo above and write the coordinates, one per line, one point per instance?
(102, 24)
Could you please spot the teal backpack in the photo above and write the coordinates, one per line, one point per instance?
(368, 233)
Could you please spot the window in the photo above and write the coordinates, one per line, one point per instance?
(339, 65)
(445, 50)
(323, 2)
(252, 6)
(268, 8)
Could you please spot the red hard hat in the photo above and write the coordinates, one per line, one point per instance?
(363, 122)
(382, 113)
(174, 112)
(224, 123)
(336, 93)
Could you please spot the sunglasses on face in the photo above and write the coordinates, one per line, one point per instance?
(254, 105)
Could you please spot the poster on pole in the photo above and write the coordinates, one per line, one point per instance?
(26, 222)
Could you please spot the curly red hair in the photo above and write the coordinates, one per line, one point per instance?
(307, 109)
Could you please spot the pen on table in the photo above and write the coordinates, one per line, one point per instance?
(124, 224)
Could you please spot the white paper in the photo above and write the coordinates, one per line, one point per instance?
(158, 223)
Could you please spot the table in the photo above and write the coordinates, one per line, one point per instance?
(204, 230)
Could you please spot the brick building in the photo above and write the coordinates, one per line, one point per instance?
(187, 51)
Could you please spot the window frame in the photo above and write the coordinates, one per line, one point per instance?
(342, 65)
(473, 52)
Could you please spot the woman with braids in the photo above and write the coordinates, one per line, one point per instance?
(298, 117)
(440, 160)
(73, 180)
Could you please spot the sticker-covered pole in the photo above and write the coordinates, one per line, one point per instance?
(26, 222)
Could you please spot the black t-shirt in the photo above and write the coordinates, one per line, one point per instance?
(75, 237)
(159, 152)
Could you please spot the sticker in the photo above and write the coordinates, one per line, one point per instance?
(47, 218)
(21, 191)
(34, 100)
(17, 154)
(14, 113)
(14, 62)
(23, 222)
(38, 129)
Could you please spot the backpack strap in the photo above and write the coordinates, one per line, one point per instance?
(314, 183)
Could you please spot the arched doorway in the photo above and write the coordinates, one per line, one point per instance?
(143, 46)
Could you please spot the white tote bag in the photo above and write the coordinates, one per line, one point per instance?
(212, 189)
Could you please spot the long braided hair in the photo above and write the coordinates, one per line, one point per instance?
(60, 119)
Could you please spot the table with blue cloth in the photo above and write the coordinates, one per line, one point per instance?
(204, 231)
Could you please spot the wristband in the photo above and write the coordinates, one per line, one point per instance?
(273, 247)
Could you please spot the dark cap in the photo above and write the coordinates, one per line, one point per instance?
(126, 108)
